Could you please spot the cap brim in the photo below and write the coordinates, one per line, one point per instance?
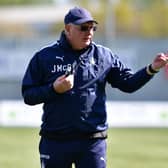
(78, 22)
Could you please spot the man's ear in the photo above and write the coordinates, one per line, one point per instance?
(67, 28)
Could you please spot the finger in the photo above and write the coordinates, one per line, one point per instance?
(165, 59)
(161, 54)
(61, 78)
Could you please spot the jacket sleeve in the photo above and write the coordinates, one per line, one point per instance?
(34, 89)
(123, 78)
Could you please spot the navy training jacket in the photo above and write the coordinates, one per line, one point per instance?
(82, 109)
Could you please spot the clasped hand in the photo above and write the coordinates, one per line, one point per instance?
(160, 61)
(63, 83)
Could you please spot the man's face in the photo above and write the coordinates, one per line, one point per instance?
(80, 36)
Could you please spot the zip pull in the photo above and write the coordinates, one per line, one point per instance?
(71, 69)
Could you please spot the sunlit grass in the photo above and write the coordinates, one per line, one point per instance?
(126, 148)
(138, 148)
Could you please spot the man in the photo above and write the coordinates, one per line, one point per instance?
(69, 78)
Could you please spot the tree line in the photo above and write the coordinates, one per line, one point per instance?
(145, 18)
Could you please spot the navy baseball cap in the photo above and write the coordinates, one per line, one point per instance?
(78, 16)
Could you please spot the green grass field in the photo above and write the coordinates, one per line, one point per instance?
(127, 148)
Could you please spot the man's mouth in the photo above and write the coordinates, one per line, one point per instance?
(87, 39)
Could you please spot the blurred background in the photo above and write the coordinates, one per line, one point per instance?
(136, 30)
